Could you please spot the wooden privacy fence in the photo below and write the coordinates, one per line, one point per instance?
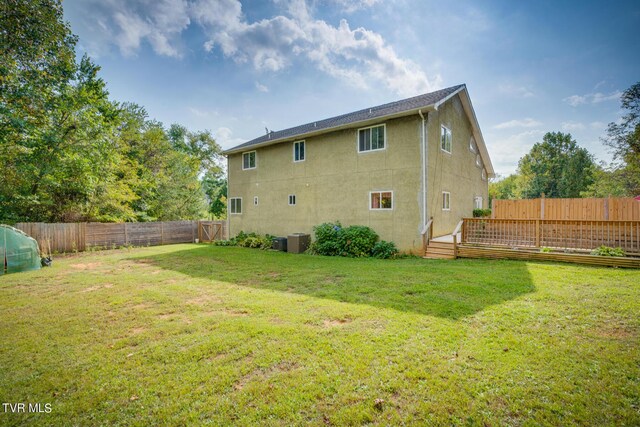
(71, 237)
(566, 234)
(607, 209)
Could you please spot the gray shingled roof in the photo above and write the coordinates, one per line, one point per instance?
(397, 107)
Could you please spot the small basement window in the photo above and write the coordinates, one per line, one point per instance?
(445, 139)
(235, 205)
(292, 199)
(371, 138)
(298, 151)
(380, 200)
(446, 201)
(249, 160)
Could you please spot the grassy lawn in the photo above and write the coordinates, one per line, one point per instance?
(195, 334)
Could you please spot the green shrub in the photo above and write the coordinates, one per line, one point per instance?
(384, 250)
(357, 241)
(545, 250)
(327, 239)
(481, 213)
(248, 240)
(607, 251)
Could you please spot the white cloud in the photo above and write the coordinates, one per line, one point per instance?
(598, 125)
(224, 137)
(507, 151)
(128, 24)
(261, 87)
(358, 56)
(572, 126)
(350, 6)
(516, 91)
(592, 98)
(524, 123)
(203, 113)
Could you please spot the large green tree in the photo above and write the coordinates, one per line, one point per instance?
(624, 140)
(557, 167)
(69, 153)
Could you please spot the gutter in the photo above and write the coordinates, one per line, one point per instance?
(425, 163)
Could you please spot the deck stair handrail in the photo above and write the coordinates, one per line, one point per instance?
(427, 234)
(455, 237)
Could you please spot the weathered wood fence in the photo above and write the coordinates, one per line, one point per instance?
(71, 237)
(587, 209)
(565, 234)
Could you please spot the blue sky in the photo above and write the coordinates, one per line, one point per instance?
(235, 67)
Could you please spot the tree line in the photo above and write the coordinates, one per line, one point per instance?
(558, 167)
(69, 153)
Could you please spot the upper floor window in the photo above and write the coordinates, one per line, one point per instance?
(445, 139)
(484, 174)
(249, 160)
(255, 200)
(472, 145)
(478, 161)
(292, 199)
(446, 201)
(298, 151)
(235, 205)
(380, 200)
(371, 138)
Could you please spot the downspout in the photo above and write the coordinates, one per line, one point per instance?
(425, 153)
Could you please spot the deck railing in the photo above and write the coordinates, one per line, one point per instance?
(564, 234)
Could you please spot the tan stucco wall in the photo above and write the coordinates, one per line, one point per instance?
(456, 173)
(334, 181)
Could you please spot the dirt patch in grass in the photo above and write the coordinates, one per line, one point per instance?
(235, 312)
(616, 331)
(204, 300)
(333, 323)
(265, 374)
(86, 265)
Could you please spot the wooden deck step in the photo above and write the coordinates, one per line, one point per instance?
(439, 250)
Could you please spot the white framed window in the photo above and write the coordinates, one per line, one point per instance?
(478, 161)
(235, 205)
(380, 200)
(484, 174)
(372, 138)
(446, 201)
(255, 200)
(249, 160)
(445, 139)
(477, 202)
(292, 199)
(299, 151)
(472, 145)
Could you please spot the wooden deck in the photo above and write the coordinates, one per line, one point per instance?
(476, 251)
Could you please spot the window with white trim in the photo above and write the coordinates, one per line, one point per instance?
(292, 199)
(478, 161)
(249, 160)
(372, 138)
(380, 200)
(446, 201)
(445, 139)
(484, 174)
(477, 202)
(235, 205)
(255, 200)
(298, 151)
(472, 145)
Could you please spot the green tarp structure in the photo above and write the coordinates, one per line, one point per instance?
(18, 251)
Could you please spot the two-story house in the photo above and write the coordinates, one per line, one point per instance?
(390, 167)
